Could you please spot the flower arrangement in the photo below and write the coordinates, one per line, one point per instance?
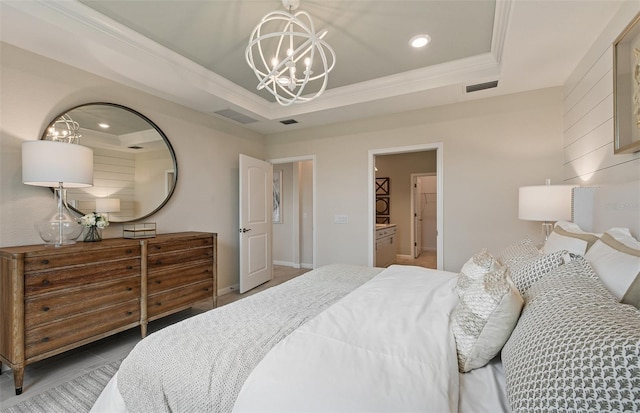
(94, 222)
(95, 219)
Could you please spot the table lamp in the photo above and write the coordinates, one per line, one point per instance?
(57, 165)
(547, 203)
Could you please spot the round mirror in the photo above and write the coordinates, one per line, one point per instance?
(134, 166)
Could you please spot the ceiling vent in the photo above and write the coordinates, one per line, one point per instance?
(482, 86)
(237, 116)
(288, 121)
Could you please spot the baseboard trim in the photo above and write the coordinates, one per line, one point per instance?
(228, 290)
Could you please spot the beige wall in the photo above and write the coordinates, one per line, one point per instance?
(490, 148)
(588, 114)
(35, 89)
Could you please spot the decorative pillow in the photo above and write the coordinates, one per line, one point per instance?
(525, 273)
(485, 315)
(519, 252)
(475, 269)
(574, 348)
(616, 259)
(568, 236)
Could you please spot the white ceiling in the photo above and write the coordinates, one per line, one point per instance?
(192, 51)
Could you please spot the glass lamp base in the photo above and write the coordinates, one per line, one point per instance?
(61, 227)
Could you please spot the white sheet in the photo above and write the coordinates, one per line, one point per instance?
(386, 346)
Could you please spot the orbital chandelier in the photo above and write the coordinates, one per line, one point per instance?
(64, 129)
(287, 55)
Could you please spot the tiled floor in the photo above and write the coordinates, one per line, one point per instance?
(46, 374)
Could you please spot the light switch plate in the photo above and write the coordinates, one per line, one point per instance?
(341, 219)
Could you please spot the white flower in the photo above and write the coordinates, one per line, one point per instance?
(94, 219)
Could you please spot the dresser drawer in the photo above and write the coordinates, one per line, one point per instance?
(79, 276)
(72, 330)
(175, 277)
(159, 246)
(158, 261)
(50, 307)
(40, 261)
(184, 297)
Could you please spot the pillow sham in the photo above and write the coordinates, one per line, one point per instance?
(616, 259)
(574, 348)
(568, 236)
(475, 269)
(484, 317)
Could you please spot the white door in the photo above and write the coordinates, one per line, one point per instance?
(256, 209)
(417, 217)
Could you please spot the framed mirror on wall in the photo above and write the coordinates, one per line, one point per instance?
(135, 169)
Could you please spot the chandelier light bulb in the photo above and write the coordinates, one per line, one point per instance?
(274, 33)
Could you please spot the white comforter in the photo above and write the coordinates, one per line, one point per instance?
(386, 346)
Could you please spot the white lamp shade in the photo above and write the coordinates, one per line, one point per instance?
(545, 203)
(48, 163)
(107, 205)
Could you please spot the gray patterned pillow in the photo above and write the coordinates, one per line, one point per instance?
(574, 348)
(518, 253)
(527, 272)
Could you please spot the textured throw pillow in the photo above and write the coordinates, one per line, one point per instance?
(616, 259)
(574, 348)
(525, 273)
(485, 315)
(568, 236)
(519, 252)
(475, 269)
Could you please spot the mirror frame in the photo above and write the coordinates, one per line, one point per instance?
(157, 129)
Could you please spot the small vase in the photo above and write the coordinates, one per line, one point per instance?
(93, 234)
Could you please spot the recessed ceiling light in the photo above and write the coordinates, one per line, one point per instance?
(420, 40)
(103, 125)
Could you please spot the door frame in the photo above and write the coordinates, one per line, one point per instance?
(439, 148)
(312, 158)
(414, 236)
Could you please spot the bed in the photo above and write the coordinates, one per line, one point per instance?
(521, 330)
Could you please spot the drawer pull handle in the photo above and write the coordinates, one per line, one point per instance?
(45, 262)
(158, 247)
(45, 282)
(158, 303)
(45, 339)
(129, 251)
(129, 288)
(45, 308)
(129, 312)
(158, 262)
(129, 267)
(158, 282)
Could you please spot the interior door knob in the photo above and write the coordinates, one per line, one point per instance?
(243, 230)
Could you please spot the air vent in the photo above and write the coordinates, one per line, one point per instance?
(135, 147)
(288, 121)
(237, 116)
(482, 86)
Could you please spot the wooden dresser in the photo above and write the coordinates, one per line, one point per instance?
(56, 299)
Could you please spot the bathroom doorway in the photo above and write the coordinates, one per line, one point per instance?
(399, 169)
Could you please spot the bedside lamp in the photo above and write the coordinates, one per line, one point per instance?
(57, 165)
(107, 205)
(547, 203)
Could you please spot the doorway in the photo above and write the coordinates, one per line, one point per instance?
(405, 204)
(294, 243)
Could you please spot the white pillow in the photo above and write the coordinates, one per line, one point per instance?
(475, 269)
(568, 236)
(616, 259)
(484, 319)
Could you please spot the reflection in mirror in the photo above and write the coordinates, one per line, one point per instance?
(135, 169)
